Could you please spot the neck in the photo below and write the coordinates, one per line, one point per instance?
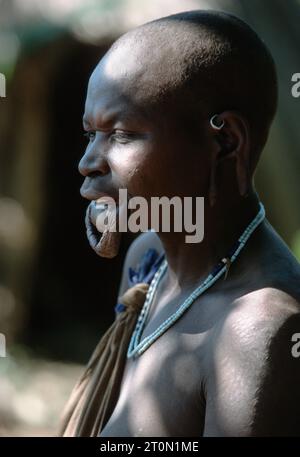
(188, 263)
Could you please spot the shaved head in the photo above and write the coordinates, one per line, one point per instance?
(198, 63)
(149, 104)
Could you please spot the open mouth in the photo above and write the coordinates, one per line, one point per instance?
(103, 213)
(101, 223)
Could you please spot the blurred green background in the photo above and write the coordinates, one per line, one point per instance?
(56, 295)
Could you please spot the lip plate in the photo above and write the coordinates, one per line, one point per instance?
(90, 193)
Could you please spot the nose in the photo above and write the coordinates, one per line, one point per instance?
(93, 161)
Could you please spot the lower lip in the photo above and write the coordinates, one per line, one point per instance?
(91, 194)
(98, 208)
(103, 201)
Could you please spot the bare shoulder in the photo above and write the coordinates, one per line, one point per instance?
(271, 301)
(252, 388)
(135, 251)
(252, 385)
(257, 319)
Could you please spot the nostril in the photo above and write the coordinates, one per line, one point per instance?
(94, 174)
(92, 168)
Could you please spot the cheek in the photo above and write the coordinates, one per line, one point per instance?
(148, 169)
(131, 167)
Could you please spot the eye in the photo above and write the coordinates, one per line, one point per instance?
(121, 136)
(90, 135)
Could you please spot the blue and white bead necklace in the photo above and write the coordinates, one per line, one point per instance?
(137, 347)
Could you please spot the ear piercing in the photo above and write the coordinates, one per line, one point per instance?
(213, 122)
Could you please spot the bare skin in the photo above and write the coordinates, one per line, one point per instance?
(225, 368)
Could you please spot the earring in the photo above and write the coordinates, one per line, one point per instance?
(214, 125)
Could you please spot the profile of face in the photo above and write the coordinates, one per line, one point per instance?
(150, 103)
(147, 137)
(134, 142)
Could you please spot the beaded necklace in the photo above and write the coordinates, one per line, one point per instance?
(137, 347)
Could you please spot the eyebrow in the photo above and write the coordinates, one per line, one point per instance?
(101, 122)
(107, 121)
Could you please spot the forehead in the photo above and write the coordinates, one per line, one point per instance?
(137, 78)
(126, 66)
(117, 84)
(139, 67)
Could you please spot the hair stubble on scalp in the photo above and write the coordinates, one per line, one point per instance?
(206, 62)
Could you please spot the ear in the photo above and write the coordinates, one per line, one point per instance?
(233, 141)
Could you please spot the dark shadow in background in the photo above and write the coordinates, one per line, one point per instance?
(73, 290)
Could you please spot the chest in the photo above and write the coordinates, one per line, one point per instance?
(162, 390)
